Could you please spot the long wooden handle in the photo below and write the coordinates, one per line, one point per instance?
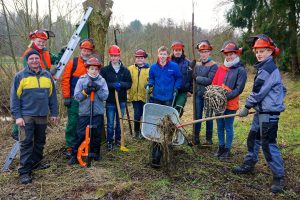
(209, 118)
(121, 119)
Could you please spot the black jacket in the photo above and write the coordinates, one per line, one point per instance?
(123, 76)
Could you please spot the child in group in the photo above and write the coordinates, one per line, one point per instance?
(232, 77)
(91, 82)
(137, 93)
(266, 98)
(204, 73)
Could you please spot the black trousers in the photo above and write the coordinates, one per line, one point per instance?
(32, 138)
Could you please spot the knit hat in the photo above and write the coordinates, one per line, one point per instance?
(33, 51)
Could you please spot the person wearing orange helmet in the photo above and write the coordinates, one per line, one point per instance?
(186, 88)
(38, 42)
(204, 73)
(137, 93)
(92, 81)
(118, 79)
(73, 70)
(266, 98)
(232, 76)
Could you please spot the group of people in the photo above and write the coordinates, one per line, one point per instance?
(170, 80)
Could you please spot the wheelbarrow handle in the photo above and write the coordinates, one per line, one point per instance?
(147, 93)
(209, 119)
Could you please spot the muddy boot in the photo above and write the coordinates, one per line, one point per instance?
(243, 169)
(72, 160)
(277, 185)
(137, 130)
(196, 140)
(41, 166)
(156, 155)
(225, 155)
(110, 146)
(25, 178)
(220, 151)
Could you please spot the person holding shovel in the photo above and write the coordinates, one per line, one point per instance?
(137, 93)
(232, 77)
(266, 98)
(204, 73)
(165, 78)
(91, 82)
(118, 79)
(186, 89)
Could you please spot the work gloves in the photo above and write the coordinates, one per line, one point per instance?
(117, 86)
(148, 85)
(67, 102)
(91, 87)
(244, 112)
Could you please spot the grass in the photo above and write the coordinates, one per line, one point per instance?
(193, 176)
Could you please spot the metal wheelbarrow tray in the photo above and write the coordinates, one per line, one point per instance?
(153, 113)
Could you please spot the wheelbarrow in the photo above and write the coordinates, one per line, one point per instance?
(152, 114)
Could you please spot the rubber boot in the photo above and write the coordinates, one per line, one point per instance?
(243, 169)
(156, 155)
(277, 184)
(137, 130)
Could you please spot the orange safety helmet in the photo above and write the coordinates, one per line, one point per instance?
(230, 46)
(204, 45)
(93, 61)
(177, 44)
(87, 44)
(263, 41)
(140, 53)
(114, 50)
(42, 34)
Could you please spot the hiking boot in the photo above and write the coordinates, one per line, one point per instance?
(277, 185)
(225, 155)
(196, 141)
(118, 143)
(25, 178)
(208, 143)
(110, 146)
(220, 151)
(40, 166)
(68, 152)
(243, 169)
(97, 158)
(72, 160)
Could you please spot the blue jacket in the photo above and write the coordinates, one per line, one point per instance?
(33, 94)
(186, 72)
(268, 90)
(84, 101)
(164, 80)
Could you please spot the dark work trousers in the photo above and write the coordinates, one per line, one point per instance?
(95, 140)
(32, 138)
(263, 134)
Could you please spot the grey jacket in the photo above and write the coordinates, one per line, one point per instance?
(204, 74)
(268, 90)
(84, 101)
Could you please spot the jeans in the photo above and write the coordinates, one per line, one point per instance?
(111, 114)
(226, 125)
(199, 114)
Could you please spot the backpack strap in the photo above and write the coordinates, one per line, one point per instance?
(75, 63)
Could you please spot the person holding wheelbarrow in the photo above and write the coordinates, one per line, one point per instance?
(165, 78)
(90, 83)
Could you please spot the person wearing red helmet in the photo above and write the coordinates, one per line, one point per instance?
(137, 93)
(38, 42)
(118, 79)
(204, 73)
(92, 81)
(73, 70)
(232, 76)
(266, 98)
(186, 89)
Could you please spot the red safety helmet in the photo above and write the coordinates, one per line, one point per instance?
(177, 44)
(263, 41)
(204, 45)
(140, 53)
(42, 34)
(87, 44)
(230, 46)
(114, 50)
(93, 61)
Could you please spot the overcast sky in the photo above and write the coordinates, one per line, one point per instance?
(208, 13)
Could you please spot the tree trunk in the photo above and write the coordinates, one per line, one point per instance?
(37, 14)
(99, 23)
(293, 38)
(49, 22)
